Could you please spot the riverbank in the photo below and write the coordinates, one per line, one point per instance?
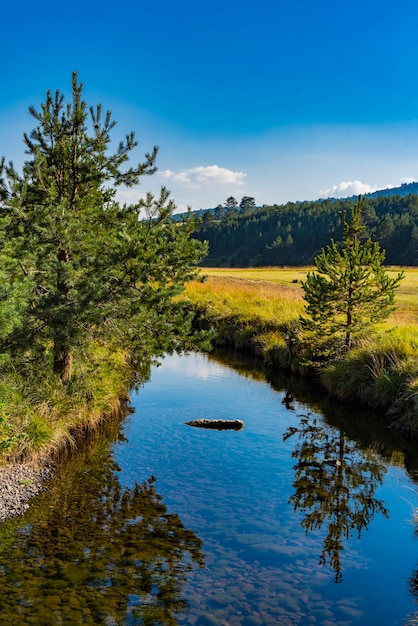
(40, 418)
(19, 483)
(257, 311)
(43, 421)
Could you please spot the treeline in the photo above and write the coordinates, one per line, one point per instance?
(293, 233)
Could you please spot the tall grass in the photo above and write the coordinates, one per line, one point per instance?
(268, 301)
(253, 314)
(39, 416)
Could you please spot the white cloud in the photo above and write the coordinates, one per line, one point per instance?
(181, 177)
(349, 188)
(202, 174)
(407, 180)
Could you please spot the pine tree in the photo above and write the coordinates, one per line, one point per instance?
(82, 264)
(231, 203)
(247, 204)
(350, 291)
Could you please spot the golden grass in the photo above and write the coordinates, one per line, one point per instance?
(276, 275)
(276, 293)
(275, 300)
(406, 298)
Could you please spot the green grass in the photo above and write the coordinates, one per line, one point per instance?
(40, 417)
(253, 314)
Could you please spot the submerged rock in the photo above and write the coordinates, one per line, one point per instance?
(217, 424)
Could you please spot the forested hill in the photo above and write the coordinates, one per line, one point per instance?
(404, 190)
(291, 234)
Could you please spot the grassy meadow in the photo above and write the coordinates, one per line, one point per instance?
(256, 308)
(278, 291)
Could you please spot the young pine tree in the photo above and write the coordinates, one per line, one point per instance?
(350, 290)
(76, 263)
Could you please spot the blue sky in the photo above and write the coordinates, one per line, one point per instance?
(276, 100)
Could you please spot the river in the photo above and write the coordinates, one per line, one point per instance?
(303, 517)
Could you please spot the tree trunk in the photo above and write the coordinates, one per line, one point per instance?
(349, 318)
(348, 340)
(62, 354)
(63, 360)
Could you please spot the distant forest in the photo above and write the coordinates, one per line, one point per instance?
(293, 233)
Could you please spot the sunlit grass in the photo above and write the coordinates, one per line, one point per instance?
(274, 300)
(40, 417)
(255, 289)
(277, 275)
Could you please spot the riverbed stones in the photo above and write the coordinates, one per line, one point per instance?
(19, 483)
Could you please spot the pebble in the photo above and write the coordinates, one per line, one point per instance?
(19, 483)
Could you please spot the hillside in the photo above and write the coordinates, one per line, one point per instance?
(291, 234)
(404, 190)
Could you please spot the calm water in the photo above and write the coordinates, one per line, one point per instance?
(296, 519)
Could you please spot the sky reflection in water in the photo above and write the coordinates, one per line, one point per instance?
(286, 508)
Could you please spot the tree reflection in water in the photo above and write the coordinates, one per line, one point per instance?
(413, 580)
(99, 555)
(334, 486)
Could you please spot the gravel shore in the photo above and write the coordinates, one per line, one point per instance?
(18, 484)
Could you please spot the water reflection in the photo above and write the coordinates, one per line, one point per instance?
(334, 484)
(101, 550)
(99, 554)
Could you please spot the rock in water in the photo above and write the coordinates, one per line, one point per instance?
(217, 424)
